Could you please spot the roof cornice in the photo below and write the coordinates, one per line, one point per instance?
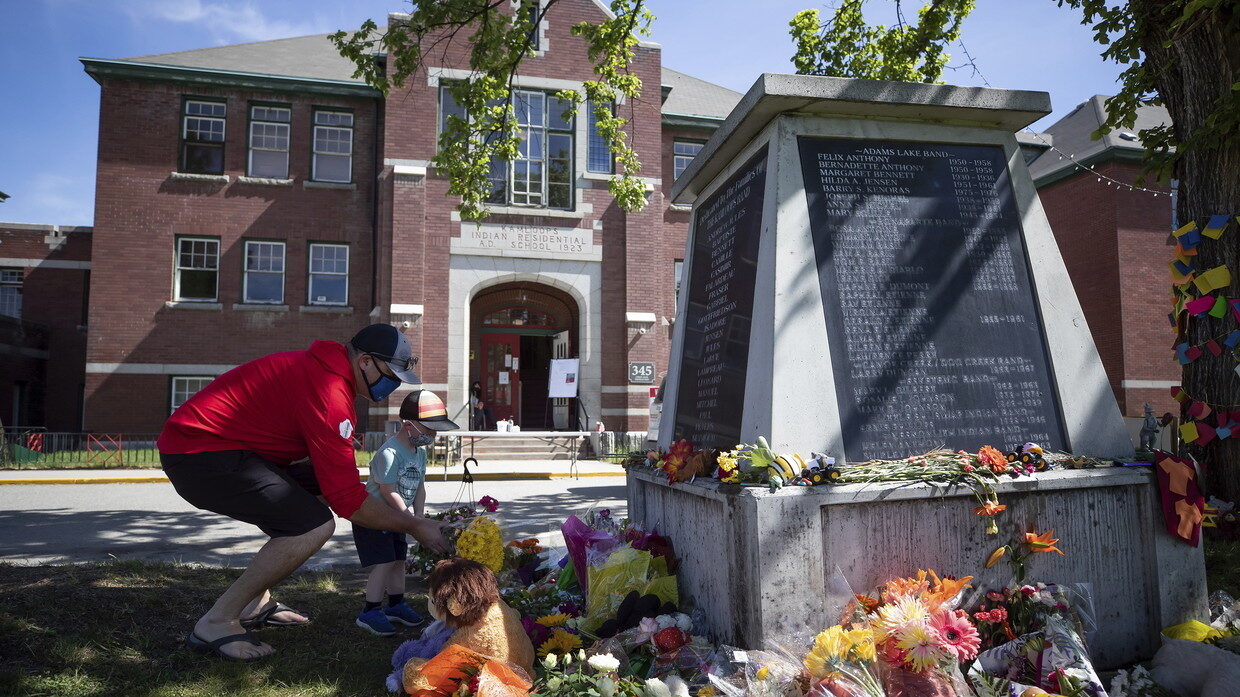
(138, 71)
(1070, 168)
(709, 123)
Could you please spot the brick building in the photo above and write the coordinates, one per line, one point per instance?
(1115, 242)
(44, 278)
(256, 197)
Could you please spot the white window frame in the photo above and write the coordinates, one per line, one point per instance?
(677, 170)
(223, 120)
(12, 278)
(185, 380)
(268, 122)
(246, 271)
(591, 132)
(177, 269)
(311, 273)
(314, 139)
(678, 270)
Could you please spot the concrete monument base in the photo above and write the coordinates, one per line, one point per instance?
(758, 563)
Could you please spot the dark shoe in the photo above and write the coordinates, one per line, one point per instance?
(375, 622)
(401, 613)
(201, 645)
(263, 619)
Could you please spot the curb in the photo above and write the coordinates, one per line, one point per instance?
(489, 476)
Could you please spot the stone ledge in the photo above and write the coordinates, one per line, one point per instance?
(259, 307)
(192, 305)
(208, 178)
(327, 309)
(308, 184)
(264, 181)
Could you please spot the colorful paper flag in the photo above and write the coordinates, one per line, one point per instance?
(1217, 277)
(1235, 309)
(1185, 228)
(1198, 410)
(1233, 339)
(1223, 432)
(1220, 307)
(1200, 306)
(1193, 353)
(1188, 432)
(1205, 434)
(1213, 347)
(1179, 395)
(1214, 228)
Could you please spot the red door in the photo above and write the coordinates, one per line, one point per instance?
(500, 381)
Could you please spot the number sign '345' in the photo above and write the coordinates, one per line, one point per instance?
(641, 373)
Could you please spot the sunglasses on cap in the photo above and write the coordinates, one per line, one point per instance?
(397, 363)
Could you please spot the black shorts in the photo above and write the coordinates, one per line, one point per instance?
(281, 501)
(379, 546)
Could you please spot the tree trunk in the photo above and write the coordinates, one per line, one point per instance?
(1193, 69)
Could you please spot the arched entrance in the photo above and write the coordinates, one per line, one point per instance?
(516, 329)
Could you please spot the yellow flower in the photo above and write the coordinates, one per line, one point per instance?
(552, 620)
(834, 642)
(922, 649)
(763, 673)
(904, 612)
(481, 542)
(707, 691)
(560, 642)
(862, 641)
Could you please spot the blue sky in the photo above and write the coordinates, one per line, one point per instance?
(49, 108)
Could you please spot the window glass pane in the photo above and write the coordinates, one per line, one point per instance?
(185, 387)
(199, 254)
(326, 258)
(264, 287)
(203, 159)
(598, 154)
(201, 130)
(448, 107)
(556, 117)
(206, 108)
(333, 140)
(11, 301)
(269, 163)
(683, 154)
(333, 168)
(269, 136)
(333, 118)
(328, 288)
(197, 285)
(264, 256)
(268, 113)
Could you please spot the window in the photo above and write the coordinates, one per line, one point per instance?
(11, 293)
(184, 387)
(333, 147)
(532, 14)
(197, 269)
(269, 128)
(519, 317)
(329, 274)
(202, 137)
(264, 272)
(678, 270)
(683, 152)
(598, 158)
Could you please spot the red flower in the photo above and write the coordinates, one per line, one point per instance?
(670, 639)
(488, 504)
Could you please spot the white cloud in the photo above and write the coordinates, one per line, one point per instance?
(226, 21)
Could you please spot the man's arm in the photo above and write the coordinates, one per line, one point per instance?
(419, 501)
(378, 515)
(390, 496)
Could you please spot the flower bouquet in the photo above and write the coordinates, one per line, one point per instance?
(455, 521)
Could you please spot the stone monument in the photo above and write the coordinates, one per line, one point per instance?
(871, 275)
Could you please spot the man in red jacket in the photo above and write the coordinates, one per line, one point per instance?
(238, 446)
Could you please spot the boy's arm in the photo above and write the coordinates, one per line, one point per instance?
(391, 497)
(419, 501)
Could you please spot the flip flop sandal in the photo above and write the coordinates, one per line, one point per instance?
(263, 619)
(201, 645)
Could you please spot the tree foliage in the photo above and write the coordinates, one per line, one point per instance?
(846, 46)
(1127, 30)
(499, 41)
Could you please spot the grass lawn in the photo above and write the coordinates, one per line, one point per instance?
(116, 629)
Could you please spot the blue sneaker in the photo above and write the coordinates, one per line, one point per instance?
(375, 622)
(401, 613)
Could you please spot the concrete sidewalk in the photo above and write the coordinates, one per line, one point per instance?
(484, 471)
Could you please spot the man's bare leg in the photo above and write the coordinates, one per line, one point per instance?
(274, 562)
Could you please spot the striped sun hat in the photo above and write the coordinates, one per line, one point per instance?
(428, 409)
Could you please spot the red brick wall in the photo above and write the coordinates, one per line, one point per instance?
(53, 321)
(140, 209)
(1114, 245)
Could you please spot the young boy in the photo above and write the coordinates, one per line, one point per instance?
(398, 478)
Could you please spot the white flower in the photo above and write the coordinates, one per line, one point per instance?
(550, 660)
(665, 621)
(606, 688)
(604, 663)
(678, 687)
(683, 621)
(656, 688)
(581, 655)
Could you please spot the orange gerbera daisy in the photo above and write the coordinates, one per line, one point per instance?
(1042, 542)
(992, 458)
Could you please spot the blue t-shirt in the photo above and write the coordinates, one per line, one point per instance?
(396, 462)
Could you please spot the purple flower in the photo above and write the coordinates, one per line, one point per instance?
(605, 513)
(488, 504)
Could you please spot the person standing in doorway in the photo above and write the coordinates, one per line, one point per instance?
(481, 417)
(230, 449)
(398, 478)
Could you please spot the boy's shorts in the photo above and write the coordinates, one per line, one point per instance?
(379, 546)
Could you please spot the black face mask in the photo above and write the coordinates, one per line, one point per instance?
(419, 440)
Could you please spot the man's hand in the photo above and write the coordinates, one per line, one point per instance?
(428, 533)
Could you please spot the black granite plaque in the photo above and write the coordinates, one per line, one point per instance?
(935, 336)
(723, 268)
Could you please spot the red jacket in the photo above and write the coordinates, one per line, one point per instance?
(285, 407)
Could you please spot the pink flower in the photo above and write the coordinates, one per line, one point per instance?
(488, 504)
(956, 634)
(1029, 590)
(994, 596)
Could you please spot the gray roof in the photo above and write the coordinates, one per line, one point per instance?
(1072, 136)
(690, 96)
(301, 56)
(316, 57)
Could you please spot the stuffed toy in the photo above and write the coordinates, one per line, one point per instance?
(464, 600)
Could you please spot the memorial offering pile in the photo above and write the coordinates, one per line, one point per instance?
(759, 465)
(606, 618)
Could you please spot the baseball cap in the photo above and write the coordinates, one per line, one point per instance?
(388, 344)
(428, 409)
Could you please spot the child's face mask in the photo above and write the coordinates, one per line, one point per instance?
(418, 439)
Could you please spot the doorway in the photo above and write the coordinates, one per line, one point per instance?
(516, 329)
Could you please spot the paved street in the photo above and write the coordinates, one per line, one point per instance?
(62, 523)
